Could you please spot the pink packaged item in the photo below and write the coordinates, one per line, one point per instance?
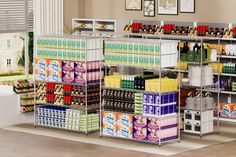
(80, 66)
(68, 76)
(68, 65)
(153, 135)
(153, 123)
(80, 77)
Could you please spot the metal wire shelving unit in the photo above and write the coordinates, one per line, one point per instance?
(157, 69)
(66, 51)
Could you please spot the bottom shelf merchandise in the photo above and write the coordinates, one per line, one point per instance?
(140, 128)
(68, 119)
(196, 122)
(228, 110)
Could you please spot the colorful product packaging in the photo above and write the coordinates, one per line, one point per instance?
(80, 77)
(68, 76)
(41, 70)
(68, 65)
(140, 128)
(110, 117)
(153, 135)
(125, 126)
(110, 123)
(42, 64)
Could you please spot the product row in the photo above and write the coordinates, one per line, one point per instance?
(152, 104)
(147, 82)
(60, 117)
(66, 94)
(172, 29)
(68, 71)
(142, 128)
(129, 47)
(65, 43)
(138, 55)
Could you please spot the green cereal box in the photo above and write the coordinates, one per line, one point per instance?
(82, 55)
(141, 61)
(125, 59)
(130, 48)
(151, 61)
(145, 61)
(141, 49)
(136, 60)
(136, 48)
(130, 60)
(77, 45)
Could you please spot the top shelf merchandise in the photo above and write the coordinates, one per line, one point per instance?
(181, 29)
(68, 74)
(141, 53)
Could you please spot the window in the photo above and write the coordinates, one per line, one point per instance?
(16, 16)
(8, 62)
(8, 43)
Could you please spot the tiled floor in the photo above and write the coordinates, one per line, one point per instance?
(29, 144)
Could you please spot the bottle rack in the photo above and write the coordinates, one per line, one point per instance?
(126, 110)
(68, 73)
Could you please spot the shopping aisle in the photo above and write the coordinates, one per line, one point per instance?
(189, 143)
(17, 144)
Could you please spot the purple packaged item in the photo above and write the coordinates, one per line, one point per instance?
(151, 98)
(157, 99)
(153, 123)
(140, 133)
(153, 135)
(145, 109)
(140, 121)
(68, 66)
(166, 98)
(151, 110)
(156, 110)
(145, 98)
(80, 77)
(172, 97)
(68, 76)
(80, 66)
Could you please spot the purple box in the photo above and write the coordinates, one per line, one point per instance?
(153, 123)
(80, 66)
(166, 98)
(140, 133)
(157, 99)
(156, 110)
(145, 109)
(80, 77)
(151, 98)
(140, 121)
(171, 97)
(68, 66)
(153, 135)
(145, 98)
(68, 76)
(151, 109)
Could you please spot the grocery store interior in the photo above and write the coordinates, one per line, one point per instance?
(143, 78)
